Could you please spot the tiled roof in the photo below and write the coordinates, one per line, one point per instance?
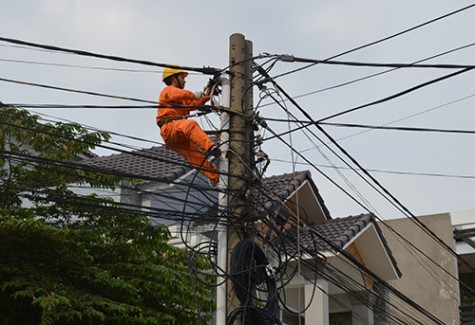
(161, 164)
(156, 163)
(284, 185)
(338, 231)
(334, 234)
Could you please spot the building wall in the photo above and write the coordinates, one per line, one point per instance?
(422, 281)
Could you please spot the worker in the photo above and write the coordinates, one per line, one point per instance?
(181, 134)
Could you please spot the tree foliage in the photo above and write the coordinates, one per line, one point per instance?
(67, 258)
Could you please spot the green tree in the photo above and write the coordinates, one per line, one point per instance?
(67, 258)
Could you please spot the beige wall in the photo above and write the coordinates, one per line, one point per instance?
(421, 280)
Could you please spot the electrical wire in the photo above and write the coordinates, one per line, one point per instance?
(399, 94)
(78, 66)
(382, 39)
(26, 83)
(420, 113)
(389, 123)
(397, 128)
(288, 58)
(204, 70)
(306, 124)
(133, 153)
(378, 73)
(70, 106)
(384, 171)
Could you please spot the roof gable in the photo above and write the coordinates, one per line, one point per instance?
(335, 234)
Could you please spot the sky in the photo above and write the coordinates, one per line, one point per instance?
(427, 172)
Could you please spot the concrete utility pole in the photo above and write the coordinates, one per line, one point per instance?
(241, 151)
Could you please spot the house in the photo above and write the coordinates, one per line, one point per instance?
(335, 268)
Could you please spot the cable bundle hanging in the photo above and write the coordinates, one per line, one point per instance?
(248, 270)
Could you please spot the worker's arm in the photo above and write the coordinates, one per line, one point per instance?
(174, 95)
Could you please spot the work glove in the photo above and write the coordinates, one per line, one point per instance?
(198, 94)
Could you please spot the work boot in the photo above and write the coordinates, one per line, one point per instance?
(213, 154)
(214, 151)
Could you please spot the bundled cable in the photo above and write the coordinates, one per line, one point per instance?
(249, 269)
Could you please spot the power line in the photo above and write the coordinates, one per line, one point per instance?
(396, 128)
(133, 153)
(382, 193)
(204, 70)
(77, 66)
(383, 39)
(386, 191)
(314, 166)
(65, 197)
(91, 128)
(75, 90)
(399, 94)
(413, 115)
(112, 172)
(343, 281)
(306, 124)
(289, 58)
(386, 171)
(376, 74)
(329, 272)
(83, 106)
(348, 183)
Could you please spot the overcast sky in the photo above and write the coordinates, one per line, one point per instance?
(196, 33)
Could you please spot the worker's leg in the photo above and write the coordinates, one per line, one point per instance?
(177, 136)
(195, 133)
(197, 159)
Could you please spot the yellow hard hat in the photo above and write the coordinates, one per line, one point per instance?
(167, 72)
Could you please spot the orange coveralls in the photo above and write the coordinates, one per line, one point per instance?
(185, 136)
